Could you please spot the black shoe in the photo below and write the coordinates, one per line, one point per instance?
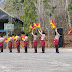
(57, 52)
(10, 52)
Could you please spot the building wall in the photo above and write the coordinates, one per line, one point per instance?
(2, 24)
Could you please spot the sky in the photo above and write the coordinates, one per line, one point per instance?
(1, 1)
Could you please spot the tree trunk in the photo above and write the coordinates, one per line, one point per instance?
(69, 22)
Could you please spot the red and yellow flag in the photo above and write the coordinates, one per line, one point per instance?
(13, 37)
(31, 26)
(6, 40)
(53, 24)
(69, 31)
(38, 25)
(34, 24)
(23, 37)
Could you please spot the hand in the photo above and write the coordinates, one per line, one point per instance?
(38, 29)
(55, 27)
(32, 30)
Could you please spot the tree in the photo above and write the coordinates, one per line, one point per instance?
(69, 7)
(30, 15)
(14, 7)
(24, 10)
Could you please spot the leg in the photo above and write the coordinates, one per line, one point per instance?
(25, 49)
(35, 47)
(18, 49)
(1, 48)
(10, 49)
(43, 49)
(56, 46)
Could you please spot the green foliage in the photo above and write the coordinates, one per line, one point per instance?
(9, 23)
(29, 16)
(13, 5)
(70, 6)
(17, 27)
(22, 1)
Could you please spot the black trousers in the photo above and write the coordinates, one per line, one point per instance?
(43, 49)
(10, 49)
(35, 47)
(18, 48)
(25, 49)
(57, 50)
(1, 48)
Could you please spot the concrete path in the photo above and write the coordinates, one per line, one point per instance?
(36, 62)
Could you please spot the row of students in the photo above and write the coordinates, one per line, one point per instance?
(18, 38)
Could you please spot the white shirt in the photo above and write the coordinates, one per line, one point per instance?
(26, 38)
(1, 39)
(57, 35)
(18, 38)
(42, 36)
(35, 36)
(10, 39)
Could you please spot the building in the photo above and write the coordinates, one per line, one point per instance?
(5, 16)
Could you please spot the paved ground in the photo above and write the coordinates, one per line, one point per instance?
(36, 62)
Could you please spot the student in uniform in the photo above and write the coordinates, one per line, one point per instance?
(42, 40)
(10, 43)
(26, 42)
(1, 43)
(18, 38)
(56, 39)
(35, 41)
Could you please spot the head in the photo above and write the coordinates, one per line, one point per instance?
(26, 34)
(22, 32)
(1, 35)
(12, 34)
(18, 34)
(43, 32)
(35, 33)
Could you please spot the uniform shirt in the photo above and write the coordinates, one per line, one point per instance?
(57, 35)
(18, 38)
(10, 39)
(42, 36)
(26, 38)
(1, 39)
(35, 36)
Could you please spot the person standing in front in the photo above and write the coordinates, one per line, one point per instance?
(56, 39)
(42, 40)
(1, 43)
(35, 41)
(26, 42)
(18, 38)
(10, 43)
